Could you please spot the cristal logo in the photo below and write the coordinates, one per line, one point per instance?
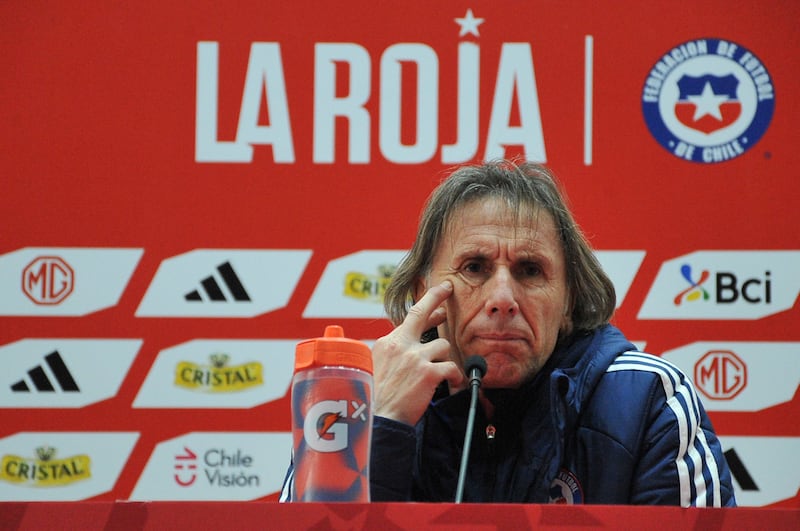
(44, 470)
(325, 428)
(720, 375)
(218, 377)
(369, 287)
(48, 280)
(695, 290)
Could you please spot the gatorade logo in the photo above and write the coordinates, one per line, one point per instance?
(322, 430)
(326, 424)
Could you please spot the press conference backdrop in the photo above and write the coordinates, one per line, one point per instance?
(189, 189)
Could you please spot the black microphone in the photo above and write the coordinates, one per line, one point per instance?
(475, 369)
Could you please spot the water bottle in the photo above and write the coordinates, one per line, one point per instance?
(332, 418)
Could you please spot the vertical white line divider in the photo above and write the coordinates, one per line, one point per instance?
(587, 99)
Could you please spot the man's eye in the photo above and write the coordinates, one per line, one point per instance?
(474, 268)
(530, 270)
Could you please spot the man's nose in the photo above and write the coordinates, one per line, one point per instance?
(500, 297)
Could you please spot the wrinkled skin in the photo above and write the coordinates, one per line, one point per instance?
(497, 288)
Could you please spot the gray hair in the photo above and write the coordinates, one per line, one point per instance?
(524, 186)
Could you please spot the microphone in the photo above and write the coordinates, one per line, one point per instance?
(475, 369)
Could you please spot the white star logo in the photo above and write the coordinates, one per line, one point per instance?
(469, 24)
(707, 103)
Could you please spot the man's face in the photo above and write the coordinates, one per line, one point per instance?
(510, 295)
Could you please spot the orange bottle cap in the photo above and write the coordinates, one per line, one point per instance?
(333, 349)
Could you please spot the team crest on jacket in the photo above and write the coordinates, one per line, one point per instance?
(708, 100)
(566, 489)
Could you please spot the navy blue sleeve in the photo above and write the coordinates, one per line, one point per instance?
(392, 460)
(680, 460)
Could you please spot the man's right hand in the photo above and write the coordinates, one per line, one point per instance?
(407, 371)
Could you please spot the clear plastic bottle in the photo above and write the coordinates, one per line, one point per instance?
(332, 418)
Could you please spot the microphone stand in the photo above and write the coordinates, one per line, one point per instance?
(476, 368)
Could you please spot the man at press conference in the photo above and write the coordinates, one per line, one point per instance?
(568, 410)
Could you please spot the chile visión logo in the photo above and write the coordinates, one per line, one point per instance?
(708, 100)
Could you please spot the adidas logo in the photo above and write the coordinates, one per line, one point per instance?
(739, 471)
(42, 382)
(263, 281)
(213, 291)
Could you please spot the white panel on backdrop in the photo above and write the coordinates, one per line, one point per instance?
(740, 375)
(56, 373)
(353, 286)
(223, 283)
(765, 469)
(62, 466)
(63, 281)
(216, 467)
(724, 285)
(621, 267)
(219, 373)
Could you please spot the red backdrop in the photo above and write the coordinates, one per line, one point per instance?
(190, 190)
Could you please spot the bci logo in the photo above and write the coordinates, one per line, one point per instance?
(727, 287)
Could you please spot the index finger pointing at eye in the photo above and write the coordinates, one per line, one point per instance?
(420, 312)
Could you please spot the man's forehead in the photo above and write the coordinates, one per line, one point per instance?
(474, 226)
(524, 217)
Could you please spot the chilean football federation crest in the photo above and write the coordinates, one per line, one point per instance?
(708, 100)
(566, 489)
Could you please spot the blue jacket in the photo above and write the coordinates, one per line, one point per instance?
(600, 423)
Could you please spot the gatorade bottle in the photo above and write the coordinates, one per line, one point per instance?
(332, 418)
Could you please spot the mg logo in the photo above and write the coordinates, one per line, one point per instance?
(720, 374)
(48, 280)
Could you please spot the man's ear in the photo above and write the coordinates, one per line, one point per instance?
(566, 318)
(420, 287)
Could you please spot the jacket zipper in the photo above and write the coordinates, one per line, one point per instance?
(491, 431)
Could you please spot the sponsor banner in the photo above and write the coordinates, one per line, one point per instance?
(63, 373)
(621, 267)
(61, 466)
(765, 470)
(219, 373)
(216, 467)
(353, 286)
(740, 376)
(64, 281)
(724, 285)
(271, 144)
(223, 283)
